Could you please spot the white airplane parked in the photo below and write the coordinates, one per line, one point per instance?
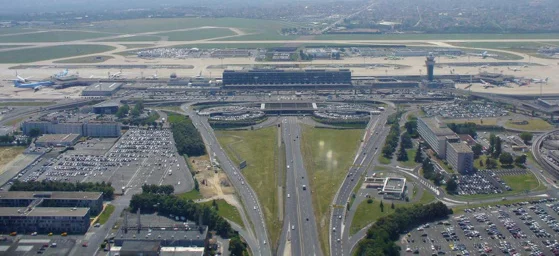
(21, 79)
(540, 81)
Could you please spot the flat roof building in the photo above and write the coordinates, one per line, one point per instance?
(57, 140)
(394, 188)
(107, 107)
(44, 220)
(274, 77)
(101, 89)
(435, 133)
(460, 157)
(87, 129)
(93, 200)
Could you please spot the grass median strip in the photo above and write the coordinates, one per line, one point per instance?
(227, 211)
(328, 154)
(106, 214)
(257, 149)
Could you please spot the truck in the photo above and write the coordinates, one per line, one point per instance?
(123, 189)
(304, 187)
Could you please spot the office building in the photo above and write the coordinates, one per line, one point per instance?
(93, 200)
(287, 77)
(87, 129)
(44, 220)
(446, 144)
(460, 157)
(435, 133)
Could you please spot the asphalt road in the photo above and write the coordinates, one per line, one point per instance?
(299, 220)
(375, 134)
(247, 195)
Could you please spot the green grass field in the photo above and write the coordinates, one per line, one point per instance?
(198, 34)
(260, 36)
(227, 211)
(53, 36)
(93, 59)
(5, 31)
(258, 148)
(460, 209)
(427, 197)
(52, 52)
(10, 46)
(191, 195)
(436, 36)
(521, 183)
(533, 125)
(152, 25)
(489, 121)
(227, 45)
(133, 39)
(384, 160)
(106, 214)
(328, 154)
(367, 213)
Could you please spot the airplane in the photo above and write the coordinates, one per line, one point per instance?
(62, 73)
(153, 77)
(486, 84)
(540, 81)
(484, 66)
(35, 86)
(21, 79)
(514, 69)
(392, 57)
(115, 75)
(484, 55)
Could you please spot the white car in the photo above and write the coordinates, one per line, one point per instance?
(288, 196)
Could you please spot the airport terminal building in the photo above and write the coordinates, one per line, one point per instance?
(341, 77)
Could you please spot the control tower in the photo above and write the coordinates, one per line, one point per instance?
(430, 63)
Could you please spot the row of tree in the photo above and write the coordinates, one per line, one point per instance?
(430, 173)
(169, 204)
(411, 128)
(382, 234)
(105, 188)
(465, 128)
(391, 140)
(405, 143)
(187, 138)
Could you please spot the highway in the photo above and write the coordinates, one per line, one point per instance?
(299, 227)
(374, 136)
(246, 193)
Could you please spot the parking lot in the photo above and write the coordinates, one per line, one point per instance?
(527, 228)
(139, 156)
(481, 182)
(462, 109)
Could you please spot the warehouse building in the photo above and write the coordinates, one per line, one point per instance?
(44, 220)
(109, 107)
(340, 77)
(92, 200)
(57, 140)
(101, 89)
(87, 129)
(460, 157)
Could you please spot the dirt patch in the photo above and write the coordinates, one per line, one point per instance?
(213, 182)
(7, 154)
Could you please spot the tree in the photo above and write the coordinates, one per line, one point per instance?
(418, 154)
(490, 163)
(236, 246)
(477, 148)
(196, 185)
(381, 206)
(506, 158)
(520, 160)
(526, 137)
(35, 132)
(135, 112)
(122, 111)
(451, 186)
(406, 141)
(492, 138)
(392, 206)
(411, 128)
(498, 148)
(402, 155)
(369, 201)
(215, 206)
(481, 162)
